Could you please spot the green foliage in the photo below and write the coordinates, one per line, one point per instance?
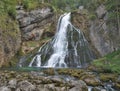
(65, 5)
(12, 12)
(30, 4)
(71, 5)
(110, 61)
(34, 4)
(92, 16)
(7, 14)
(8, 7)
(112, 5)
(113, 8)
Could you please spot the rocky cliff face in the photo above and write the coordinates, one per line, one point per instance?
(34, 24)
(101, 32)
(104, 34)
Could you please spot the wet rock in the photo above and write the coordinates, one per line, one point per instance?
(33, 81)
(41, 88)
(92, 81)
(25, 86)
(4, 89)
(63, 89)
(103, 90)
(117, 86)
(50, 71)
(96, 89)
(12, 83)
(76, 89)
(108, 77)
(57, 79)
(118, 79)
(78, 86)
(50, 87)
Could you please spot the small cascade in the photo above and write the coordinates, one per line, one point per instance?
(90, 88)
(68, 48)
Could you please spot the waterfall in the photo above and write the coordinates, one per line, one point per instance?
(68, 48)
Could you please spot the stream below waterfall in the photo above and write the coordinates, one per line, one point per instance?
(69, 77)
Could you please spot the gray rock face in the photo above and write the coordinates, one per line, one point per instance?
(4, 89)
(101, 32)
(25, 86)
(104, 34)
(100, 39)
(34, 22)
(78, 86)
(101, 11)
(12, 83)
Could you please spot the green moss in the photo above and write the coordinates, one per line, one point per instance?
(33, 4)
(30, 4)
(8, 24)
(92, 16)
(15, 59)
(8, 7)
(110, 62)
(49, 71)
(107, 77)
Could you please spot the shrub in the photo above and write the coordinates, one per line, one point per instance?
(92, 16)
(12, 12)
(30, 4)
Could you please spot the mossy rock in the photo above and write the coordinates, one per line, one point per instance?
(96, 89)
(105, 77)
(71, 72)
(50, 71)
(117, 86)
(91, 80)
(64, 71)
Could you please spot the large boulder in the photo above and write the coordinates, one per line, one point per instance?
(4, 89)
(12, 83)
(25, 86)
(78, 86)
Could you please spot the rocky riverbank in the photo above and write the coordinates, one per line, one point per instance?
(58, 80)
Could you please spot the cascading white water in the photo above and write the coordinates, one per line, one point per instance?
(69, 48)
(60, 44)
